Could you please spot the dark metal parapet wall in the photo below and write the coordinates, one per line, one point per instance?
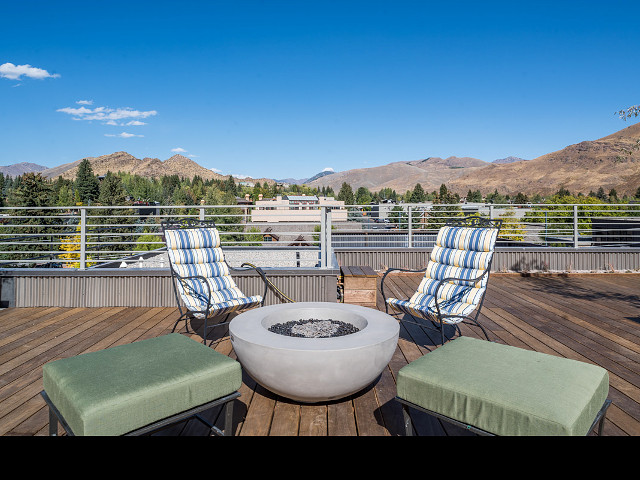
(145, 287)
(507, 259)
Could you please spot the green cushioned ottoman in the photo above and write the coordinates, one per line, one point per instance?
(503, 390)
(139, 387)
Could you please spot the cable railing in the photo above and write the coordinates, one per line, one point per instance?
(98, 236)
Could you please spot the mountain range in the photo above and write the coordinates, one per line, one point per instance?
(610, 162)
(21, 168)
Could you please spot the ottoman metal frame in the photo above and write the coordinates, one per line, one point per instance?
(227, 401)
(600, 417)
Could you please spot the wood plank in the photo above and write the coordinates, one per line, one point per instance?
(313, 420)
(341, 420)
(550, 314)
(286, 419)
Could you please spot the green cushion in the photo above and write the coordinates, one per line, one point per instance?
(506, 390)
(121, 389)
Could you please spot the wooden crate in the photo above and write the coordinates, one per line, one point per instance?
(359, 285)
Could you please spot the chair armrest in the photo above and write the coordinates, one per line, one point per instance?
(446, 279)
(389, 270)
(249, 266)
(187, 286)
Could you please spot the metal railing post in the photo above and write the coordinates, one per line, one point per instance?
(323, 237)
(327, 242)
(575, 226)
(410, 234)
(83, 238)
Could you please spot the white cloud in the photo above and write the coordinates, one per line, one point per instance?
(16, 72)
(122, 135)
(85, 102)
(135, 122)
(216, 170)
(239, 176)
(328, 169)
(193, 156)
(106, 114)
(178, 150)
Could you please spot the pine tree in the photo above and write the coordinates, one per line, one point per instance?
(346, 194)
(87, 184)
(111, 190)
(418, 195)
(230, 186)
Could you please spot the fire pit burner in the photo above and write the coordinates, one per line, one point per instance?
(314, 328)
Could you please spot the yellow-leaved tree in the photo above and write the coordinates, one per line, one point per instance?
(71, 245)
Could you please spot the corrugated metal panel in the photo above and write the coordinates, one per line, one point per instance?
(85, 290)
(505, 259)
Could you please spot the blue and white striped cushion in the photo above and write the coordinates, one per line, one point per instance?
(460, 252)
(466, 238)
(197, 252)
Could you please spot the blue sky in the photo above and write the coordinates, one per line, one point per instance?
(288, 88)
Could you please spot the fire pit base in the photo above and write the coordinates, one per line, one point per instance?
(314, 370)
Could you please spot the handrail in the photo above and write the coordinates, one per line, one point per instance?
(57, 236)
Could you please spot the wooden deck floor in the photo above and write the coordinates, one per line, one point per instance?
(592, 318)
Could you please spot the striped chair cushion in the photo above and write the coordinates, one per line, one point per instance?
(460, 252)
(197, 252)
(428, 309)
(466, 238)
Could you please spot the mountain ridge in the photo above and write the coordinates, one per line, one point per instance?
(581, 167)
(21, 168)
(612, 161)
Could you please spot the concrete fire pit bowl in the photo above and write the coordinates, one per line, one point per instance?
(314, 370)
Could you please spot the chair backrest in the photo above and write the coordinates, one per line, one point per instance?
(197, 251)
(464, 250)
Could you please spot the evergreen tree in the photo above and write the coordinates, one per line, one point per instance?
(111, 190)
(363, 196)
(87, 184)
(32, 224)
(65, 197)
(33, 191)
(418, 195)
(230, 186)
(346, 194)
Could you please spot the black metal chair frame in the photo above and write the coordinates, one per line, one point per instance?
(599, 420)
(472, 221)
(227, 402)
(175, 277)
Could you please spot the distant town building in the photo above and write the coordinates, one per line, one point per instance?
(297, 208)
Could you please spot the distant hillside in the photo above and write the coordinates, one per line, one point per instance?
(21, 168)
(583, 167)
(509, 160)
(402, 176)
(147, 167)
(302, 181)
(319, 175)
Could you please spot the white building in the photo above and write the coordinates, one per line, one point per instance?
(297, 208)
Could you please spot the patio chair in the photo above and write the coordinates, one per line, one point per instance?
(201, 276)
(456, 277)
